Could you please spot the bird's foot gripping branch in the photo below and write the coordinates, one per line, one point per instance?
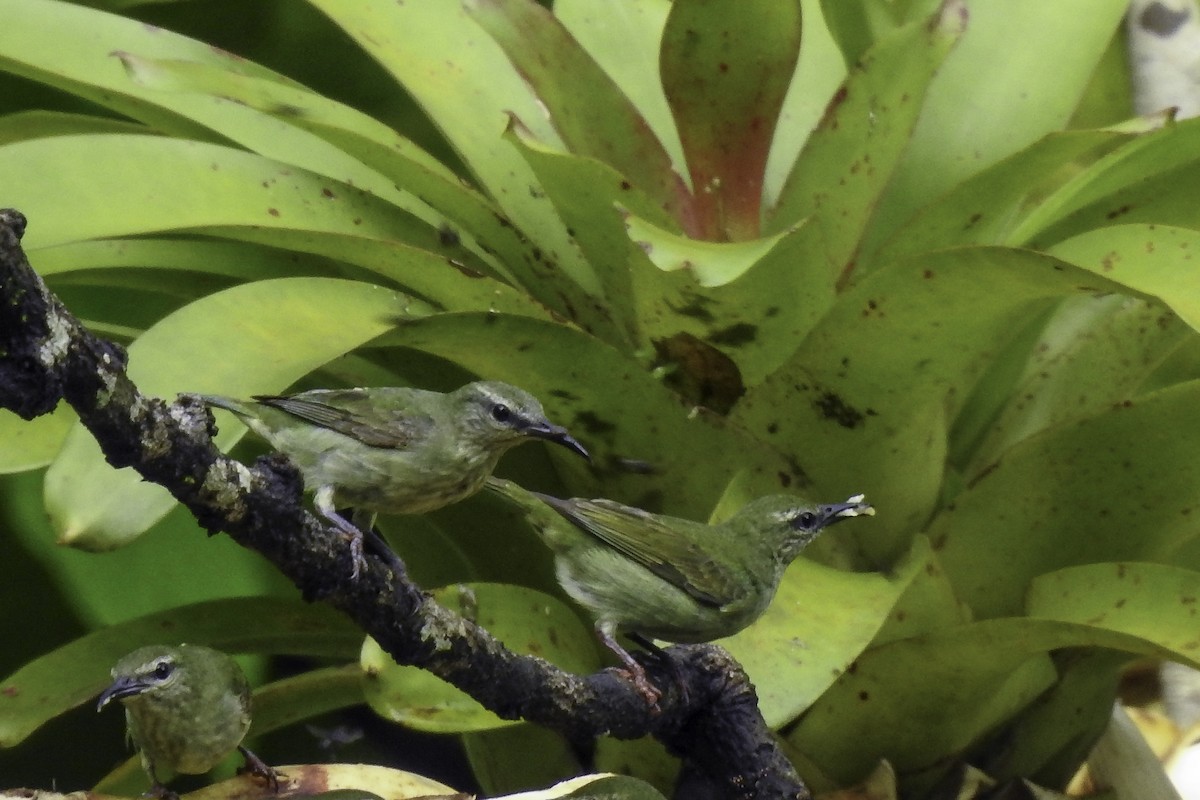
(46, 356)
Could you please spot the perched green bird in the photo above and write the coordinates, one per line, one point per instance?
(395, 450)
(186, 708)
(675, 579)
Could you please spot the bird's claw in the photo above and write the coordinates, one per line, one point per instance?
(257, 767)
(357, 559)
(637, 676)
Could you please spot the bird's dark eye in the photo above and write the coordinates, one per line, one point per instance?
(805, 519)
(501, 412)
(162, 670)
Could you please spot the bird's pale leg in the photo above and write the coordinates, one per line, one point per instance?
(256, 766)
(323, 502)
(606, 630)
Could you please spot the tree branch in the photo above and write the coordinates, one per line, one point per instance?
(47, 355)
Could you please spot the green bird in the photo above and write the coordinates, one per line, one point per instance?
(650, 575)
(186, 708)
(395, 450)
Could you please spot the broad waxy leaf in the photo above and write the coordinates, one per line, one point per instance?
(1094, 353)
(849, 159)
(1122, 186)
(886, 370)
(1056, 500)
(624, 40)
(809, 635)
(956, 137)
(591, 114)
(503, 760)
(988, 670)
(527, 621)
(31, 444)
(725, 77)
(1157, 260)
(224, 343)
(984, 208)
(76, 672)
(468, 91)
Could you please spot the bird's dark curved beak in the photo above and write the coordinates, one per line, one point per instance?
(853, 507)
(558, 435)
(124, 686)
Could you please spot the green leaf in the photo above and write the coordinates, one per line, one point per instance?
(527, 621)
(986, 207)
(468, 91)
(819, 72)
(1157, 260)
(169, 184)
(1057, 500)
(624, 40)
(951, 141)
(76, 672)
(753, 300)
(1139, 182)
(224, 343)
(31, 444)
(1093, 353)
(896, 699)
(851, 156)
(516, 758)
(810, 635)
(725, 77)
(38, 124)
(464, 213)
(884, 374)
(589, 111)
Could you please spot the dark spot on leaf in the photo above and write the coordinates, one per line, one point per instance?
(447, 236)
(1121, 570)
(927, 274)
(1120, 212)
(593, 424)
(771, 312)
(563, 394)
(327, 192)
(864, 695)
(696, 307)
(10, 691)
(773, 428)
(785, 480)
(901, 615)
(853, 668)
(524, 347)
(274, 212)
(982, 474)
(741, 333)
(702, 374)
(973, 220)
(832, 406)
(464, 269)
(626, 186)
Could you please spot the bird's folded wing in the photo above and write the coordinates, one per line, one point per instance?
(660, 548)
(375, 419)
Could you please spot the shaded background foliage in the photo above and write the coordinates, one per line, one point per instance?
(884, 254)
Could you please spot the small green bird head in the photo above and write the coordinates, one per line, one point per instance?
(154, 669)
(792, 522)
(502, 416)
